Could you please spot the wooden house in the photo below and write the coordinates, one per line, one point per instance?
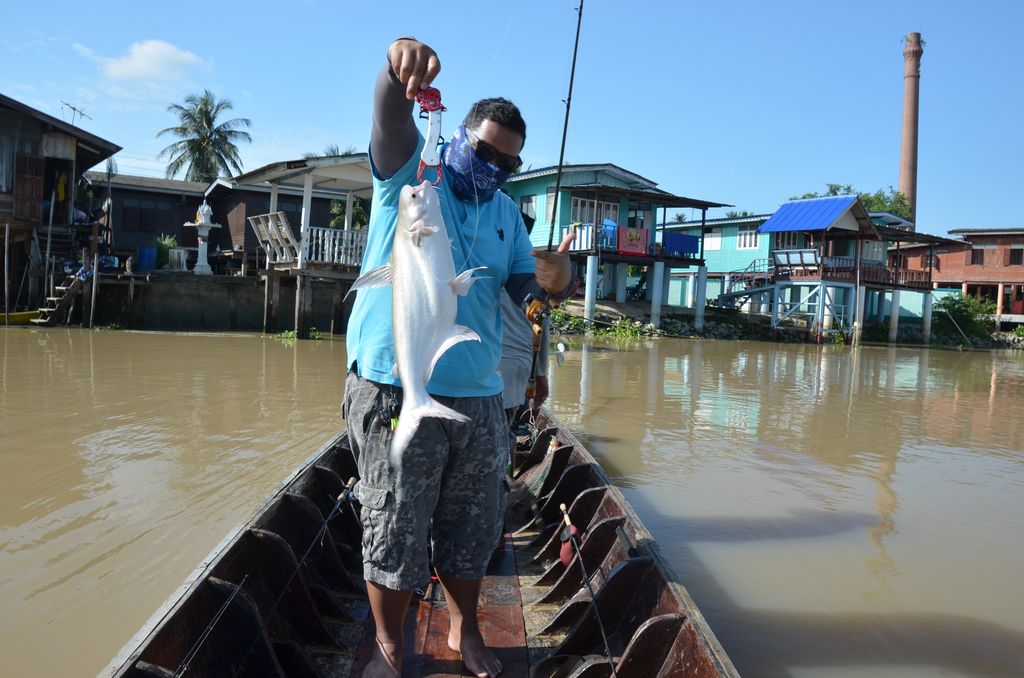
(41, 160)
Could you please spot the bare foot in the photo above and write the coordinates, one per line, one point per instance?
(480, 661)
(386, 661)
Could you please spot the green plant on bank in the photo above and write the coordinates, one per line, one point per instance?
(1018, 331)
(164, 243)
(290, 336)
(972, 314)
(839, 338)
(622, 327)
(559, 318)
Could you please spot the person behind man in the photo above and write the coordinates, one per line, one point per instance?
(449, 486)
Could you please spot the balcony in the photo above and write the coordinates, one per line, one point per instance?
(808, 265)
(334, 247)
(630, 243)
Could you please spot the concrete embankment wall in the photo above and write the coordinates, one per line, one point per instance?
(182, 301)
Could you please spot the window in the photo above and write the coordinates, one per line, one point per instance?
(635, 219)
(528, 205)
(787, 241)
(713, 239)
(130, 214)
(930, 260)
(746, 238)
(977, 257)
(593, 211)
(1016, 257)
(873, 250)
(6, 164)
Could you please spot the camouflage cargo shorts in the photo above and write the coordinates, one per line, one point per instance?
(449, 489)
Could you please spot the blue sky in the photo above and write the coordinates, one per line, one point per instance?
(746, 103)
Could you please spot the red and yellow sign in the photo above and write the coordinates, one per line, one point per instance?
(632, 240)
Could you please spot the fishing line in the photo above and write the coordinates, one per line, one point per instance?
(586, 580)
(345, 497)
(194, 650)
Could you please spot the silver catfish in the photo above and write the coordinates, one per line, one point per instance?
(424, 288)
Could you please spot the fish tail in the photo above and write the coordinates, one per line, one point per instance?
(409, 421)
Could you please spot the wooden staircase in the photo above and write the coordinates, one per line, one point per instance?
(59, 307)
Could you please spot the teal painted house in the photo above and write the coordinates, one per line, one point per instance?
(615, 215)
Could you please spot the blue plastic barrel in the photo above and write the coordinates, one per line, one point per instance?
(146, 259)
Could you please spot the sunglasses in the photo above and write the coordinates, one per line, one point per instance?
(487, 153)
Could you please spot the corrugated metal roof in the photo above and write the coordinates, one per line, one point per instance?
(149, 183)
(814, 214)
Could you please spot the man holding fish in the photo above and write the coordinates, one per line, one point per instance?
(423, 398)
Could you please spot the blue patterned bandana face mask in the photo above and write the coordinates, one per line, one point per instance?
(464, 169)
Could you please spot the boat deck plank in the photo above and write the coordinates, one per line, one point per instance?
(427, 654)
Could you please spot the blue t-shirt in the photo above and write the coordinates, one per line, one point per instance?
(490, 234)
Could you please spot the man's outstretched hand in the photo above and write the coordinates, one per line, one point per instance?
(553, 268)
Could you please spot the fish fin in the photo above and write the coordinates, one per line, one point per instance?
(377, 277)
(460, 334)
(409, 421)
(463, 281)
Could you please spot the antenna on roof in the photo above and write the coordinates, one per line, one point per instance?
(74, 111)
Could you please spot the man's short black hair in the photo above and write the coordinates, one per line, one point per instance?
(499, 110)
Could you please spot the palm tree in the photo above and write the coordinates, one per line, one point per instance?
(331, 150)
(204, 148)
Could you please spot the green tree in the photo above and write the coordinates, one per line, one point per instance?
(360, 213)
(883, 200)
(971, 314)
(331, 150)
(738, 214)
(205, 147)
(680, 217)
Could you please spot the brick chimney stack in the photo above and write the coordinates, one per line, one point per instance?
(912, 51)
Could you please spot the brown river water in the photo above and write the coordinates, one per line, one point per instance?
(833, 512)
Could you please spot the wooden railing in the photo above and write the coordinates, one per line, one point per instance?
(334, 246)
(845, 269)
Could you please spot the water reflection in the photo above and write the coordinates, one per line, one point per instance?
(819, 502)
(127, 458)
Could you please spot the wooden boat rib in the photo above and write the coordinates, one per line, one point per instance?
(283, 594)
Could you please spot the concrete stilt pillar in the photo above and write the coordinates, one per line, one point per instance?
(726, 283)
(880, 306)
(700, 299)
(963, 289)
(590, 299)
(657, 287)
(819, 311)
(691, 286)
(1000, 293)
(926, 327)
(894, 317)
(666, 283)
(858, 313)
(776, 294)
(828, 300)
(621, 271)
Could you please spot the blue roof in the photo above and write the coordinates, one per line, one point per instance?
(815, 214)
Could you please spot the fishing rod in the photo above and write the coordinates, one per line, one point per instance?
(539, 309)
(565, 128)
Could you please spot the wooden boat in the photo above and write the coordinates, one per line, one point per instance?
(283, 595)
(20, 317)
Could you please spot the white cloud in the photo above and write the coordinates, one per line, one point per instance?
(148, 60)
(82, 50)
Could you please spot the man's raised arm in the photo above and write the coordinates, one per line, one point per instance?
(393, 137)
